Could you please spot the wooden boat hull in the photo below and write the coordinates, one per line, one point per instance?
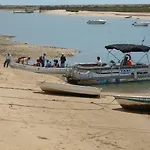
(39, 69)
(70, 89)
(134, 102)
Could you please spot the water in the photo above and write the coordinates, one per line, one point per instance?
(132, 88)
(73, 32)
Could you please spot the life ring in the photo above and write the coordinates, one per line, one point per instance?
(129, 56)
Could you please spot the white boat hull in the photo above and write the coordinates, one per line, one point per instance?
(67, 88)
(96, 22)
(134, 102)
(104, 75)
(141, 24)
(39, 69)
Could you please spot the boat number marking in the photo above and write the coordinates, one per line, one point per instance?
(125, 71)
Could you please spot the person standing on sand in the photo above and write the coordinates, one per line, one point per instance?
(7, 61)
(42, 59)
(62, 60)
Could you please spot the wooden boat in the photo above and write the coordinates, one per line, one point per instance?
(111, 73)
(96, 21)
(134, 102)
(70, 89)
(39, 69)
(140, 24)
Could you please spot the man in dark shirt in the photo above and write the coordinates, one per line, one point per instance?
(62, 61)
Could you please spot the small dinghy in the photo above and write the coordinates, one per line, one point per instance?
(134, 102)
(69, 89)
(96, 21)
(140, 24)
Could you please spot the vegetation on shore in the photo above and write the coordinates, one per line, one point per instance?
(76, 8)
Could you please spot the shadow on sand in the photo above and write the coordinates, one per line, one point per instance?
(133, 111)
(69, 94)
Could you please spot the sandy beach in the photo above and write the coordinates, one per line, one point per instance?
(99, 14)
(34, 51)
(30, 119)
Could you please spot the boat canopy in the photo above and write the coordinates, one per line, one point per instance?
(127, 48)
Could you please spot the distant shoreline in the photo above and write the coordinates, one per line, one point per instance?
(136, 11)
(75, 8)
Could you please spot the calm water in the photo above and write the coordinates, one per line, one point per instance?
(73, 32)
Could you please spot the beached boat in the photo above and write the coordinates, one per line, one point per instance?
(70, 89)
(96, 21)
(140, 24)
(128, 16)
(134, 102)
(111, 72)
(39, 69)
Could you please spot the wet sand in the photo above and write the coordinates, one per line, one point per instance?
(99, 14)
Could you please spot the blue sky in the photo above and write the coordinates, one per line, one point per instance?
(55, 2)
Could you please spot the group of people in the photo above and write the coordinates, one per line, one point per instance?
(23, 60)
(127, 61)
(43, 62)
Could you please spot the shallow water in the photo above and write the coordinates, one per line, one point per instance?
(73, 32)
(131, 88)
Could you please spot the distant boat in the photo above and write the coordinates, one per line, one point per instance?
(134, 102)
(25, 11)
(128, 16)
(140, 24)
(96, 21)
(68, 88)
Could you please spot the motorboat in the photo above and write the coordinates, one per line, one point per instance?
(140, 24)
(99, 21)
(51, 70)
(134, 102)
(91, 73)
(69, 89)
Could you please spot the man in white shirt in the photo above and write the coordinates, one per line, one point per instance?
(99, 62)
(7, 60)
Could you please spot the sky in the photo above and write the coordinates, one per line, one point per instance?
(57, 2)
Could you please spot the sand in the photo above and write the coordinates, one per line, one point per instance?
(17, 49)
(32, 120)
(99, 14)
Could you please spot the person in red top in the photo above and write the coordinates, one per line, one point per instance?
(129, 63)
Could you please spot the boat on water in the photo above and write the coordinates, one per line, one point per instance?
(70, 89)
(128, 16)
(140, 24)
(99, 21)
(134, 102)
(91, 73)
(25, 11)
(35, 69)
